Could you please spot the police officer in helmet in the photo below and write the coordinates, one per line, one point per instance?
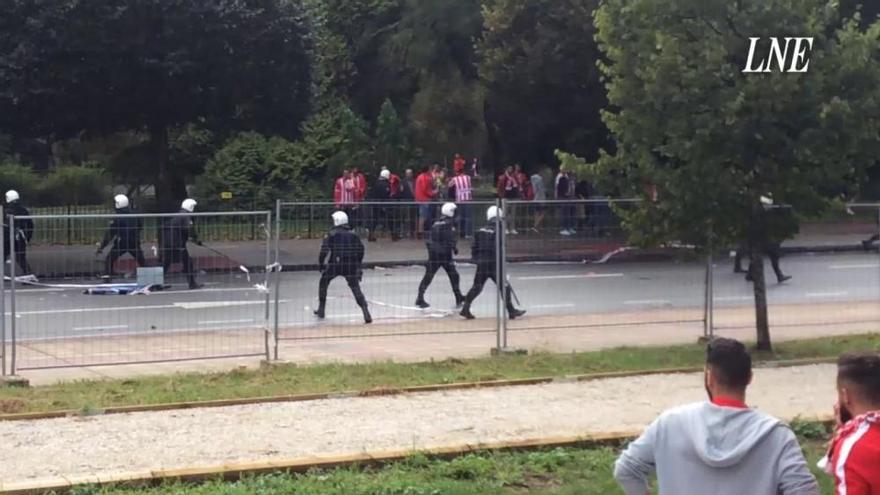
(24, 230)
(484, 250)
(441, 247)
(125, 235)
(346, 255)
(178, 232)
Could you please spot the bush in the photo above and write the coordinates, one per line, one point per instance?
(74, 185)
(257, 170)
(18, 177)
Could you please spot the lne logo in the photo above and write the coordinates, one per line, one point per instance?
(795, 53)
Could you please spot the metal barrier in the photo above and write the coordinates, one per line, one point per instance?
(63, 314)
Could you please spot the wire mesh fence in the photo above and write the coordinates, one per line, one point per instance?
(150, 288)
(825, 280)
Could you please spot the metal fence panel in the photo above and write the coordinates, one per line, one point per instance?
(63, 313)
(834, 286)
(583, 287)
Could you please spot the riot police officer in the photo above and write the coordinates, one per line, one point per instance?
(484, 251)
(180, 230)
(125, 235)
(441, 247)
(346, 255)
(24, 230)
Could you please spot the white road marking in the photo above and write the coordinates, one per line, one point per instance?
(219, 304)
(100, 327)
(552, 306)
(819, 295)
(648, 302)
(566, 277)
(227, 322)
(734, 298)
(854, 267)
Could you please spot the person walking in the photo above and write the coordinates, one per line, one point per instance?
(564, 189)
(508, 187)
(124, 234)
(380, 214)
(538, 201)
(346, 256)
(442, 246)
(23, 231)
(425, 192)
(180, 231)
(409, 214)
(484, 251)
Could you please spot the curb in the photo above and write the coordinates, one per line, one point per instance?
(376, 392)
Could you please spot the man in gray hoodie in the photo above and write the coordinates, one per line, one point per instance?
(720, 447)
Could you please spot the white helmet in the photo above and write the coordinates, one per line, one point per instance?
(121, 201)
(188, 205)
(340, 218)
(448, 210)
(493, 213)
(12, 196)
(385, 174)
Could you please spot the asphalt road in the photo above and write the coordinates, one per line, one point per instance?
(230, 302)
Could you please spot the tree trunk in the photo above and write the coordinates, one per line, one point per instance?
(762, 320)
(159, 146)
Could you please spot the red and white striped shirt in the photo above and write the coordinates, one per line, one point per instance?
(854, 457)
(345, 192)
(462, 185)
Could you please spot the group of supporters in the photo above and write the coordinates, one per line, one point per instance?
(723, 447)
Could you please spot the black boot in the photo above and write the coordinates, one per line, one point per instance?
(459, 300)
(466, 312)
(193, 285)
(514, 313)
(367, 317)
(320, 312)
(420, 302)
(783, 278)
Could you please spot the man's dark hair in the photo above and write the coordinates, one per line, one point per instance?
(730, 362)
(861, 370)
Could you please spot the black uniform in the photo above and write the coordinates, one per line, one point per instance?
(178, 231)
(441, 247)
(768, 230)
(483, 251)
(381, 214)
(24, 232)
(346, 255)
(125, 235)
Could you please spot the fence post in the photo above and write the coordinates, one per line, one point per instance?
(69, 242)
(12, 292)
(709, 298)
(499, 232)
(2, 301)
(267, 280)
(278, 267)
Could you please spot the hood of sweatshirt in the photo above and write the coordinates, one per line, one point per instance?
(723, 436)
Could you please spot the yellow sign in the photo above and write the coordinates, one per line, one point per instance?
(226, 195)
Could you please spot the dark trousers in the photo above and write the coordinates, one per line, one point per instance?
(179, 256)
(567, 213)
(353, 283)
(772, 252)
(465, 220)
(435, 263)
(20, 256)
(383, 216)
(484, 273)
(119, 251)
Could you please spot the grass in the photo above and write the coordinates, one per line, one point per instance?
(570, 471)
(93, 396)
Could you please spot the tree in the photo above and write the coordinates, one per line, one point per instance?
(257, 170)
(537, 59)
(391, 140)
(715, 140)
(150, 65)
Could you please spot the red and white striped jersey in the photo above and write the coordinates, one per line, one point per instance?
(345, 192)
(462, 185)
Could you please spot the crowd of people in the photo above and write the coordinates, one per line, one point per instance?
(722, 446)
(431, 185)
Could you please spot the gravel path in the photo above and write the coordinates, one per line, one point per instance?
(189, 438)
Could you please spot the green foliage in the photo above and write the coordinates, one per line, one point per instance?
(392, 146)
(255, 169)
(809, 430)
(537, 60)
(714, 139)
(18, 177)
(74, 185)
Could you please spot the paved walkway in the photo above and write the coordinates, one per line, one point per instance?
(400, 342)
(91, 449)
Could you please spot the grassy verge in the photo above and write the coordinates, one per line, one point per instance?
(290, 379)
(582, 471)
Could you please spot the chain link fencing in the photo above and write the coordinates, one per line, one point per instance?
(123, 291)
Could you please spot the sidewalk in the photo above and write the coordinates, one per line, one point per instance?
(136, 444)
(302, 254)
(406, 342)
